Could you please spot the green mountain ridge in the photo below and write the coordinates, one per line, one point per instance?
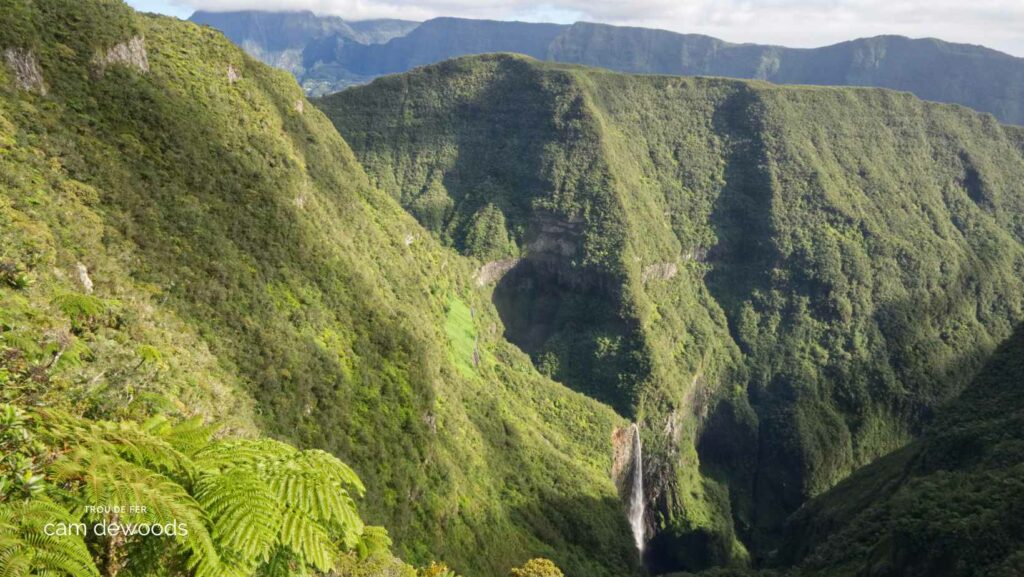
(468, 288)
(975, 76)
(183, 234)
(780, 283)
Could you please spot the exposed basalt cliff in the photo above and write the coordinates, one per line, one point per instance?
(25, 68)
(492, 272)
(131, 53)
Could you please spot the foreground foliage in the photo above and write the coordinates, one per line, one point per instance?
(237, 507)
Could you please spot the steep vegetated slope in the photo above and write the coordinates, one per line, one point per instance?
(781, 284)
(950, 504)
(984, 79)
(182, 233)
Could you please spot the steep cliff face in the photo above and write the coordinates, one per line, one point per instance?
(181, 233)
(781, 284)
(281, 39)
(984, 79)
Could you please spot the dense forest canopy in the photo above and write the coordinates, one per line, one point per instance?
(445, 323)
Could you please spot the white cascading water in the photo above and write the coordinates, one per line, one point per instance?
(636, 497)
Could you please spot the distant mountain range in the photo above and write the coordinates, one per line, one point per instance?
(281, 39)
(328, 54)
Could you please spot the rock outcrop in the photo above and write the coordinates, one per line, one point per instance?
(659, 271)
(492, 272)
(27, 75)
(131, 54)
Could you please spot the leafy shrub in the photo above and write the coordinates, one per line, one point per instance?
(537, 568)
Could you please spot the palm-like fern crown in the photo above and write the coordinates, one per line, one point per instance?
(251, 506)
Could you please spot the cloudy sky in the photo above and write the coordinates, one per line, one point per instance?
(995, 23)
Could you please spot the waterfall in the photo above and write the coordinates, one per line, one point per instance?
(636, 497)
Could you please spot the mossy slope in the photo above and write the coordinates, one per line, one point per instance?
(241, 266)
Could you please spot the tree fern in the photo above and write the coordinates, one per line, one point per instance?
(83, 310)
(245, 512)
(25, 549)
(311, 488)
(100, 479)
(307, 539)
(124, 438)
(188, 436)
(283, 563)
(375, 541)
(251, 507)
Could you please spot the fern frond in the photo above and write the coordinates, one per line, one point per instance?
(307, 538)
(332, 468)
(246, 515)
(25, 549)
(311, 489)
(283, 563)
(103, 479)
(126, 439)
(242, 453)
(188, 436)
(374, 541)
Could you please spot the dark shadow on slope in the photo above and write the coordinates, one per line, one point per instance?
(567, 316)
(741, 263)
(500, 140)
(951, 504)
(814, 416)
(744, 256)
(570, 323)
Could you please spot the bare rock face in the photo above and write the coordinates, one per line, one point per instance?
(83, 277)
(556, 237)
(492, 272)
(659, 271)
(300, 106)
(233, 75)
(131, 54)
(622, 458)
(697, 253)
(27, 75)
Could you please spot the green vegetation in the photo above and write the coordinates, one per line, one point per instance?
(207, 305)
(224, 507)
(781, 283)
(181, 234)
(537, 568)
(947, 505)
(462, 334)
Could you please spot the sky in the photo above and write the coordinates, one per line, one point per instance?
(997, 24)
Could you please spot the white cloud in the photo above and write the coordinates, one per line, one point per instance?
(995, 23)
